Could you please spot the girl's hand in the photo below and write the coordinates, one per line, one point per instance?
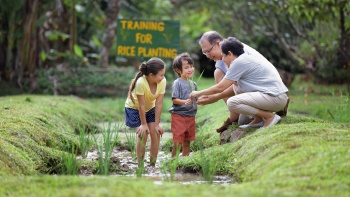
(159, 130)
(141, 130)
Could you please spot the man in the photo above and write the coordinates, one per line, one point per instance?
(209, 43)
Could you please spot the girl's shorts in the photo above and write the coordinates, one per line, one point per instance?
(132, 117)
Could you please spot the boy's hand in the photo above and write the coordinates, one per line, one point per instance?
(193, 95)
(188, 101)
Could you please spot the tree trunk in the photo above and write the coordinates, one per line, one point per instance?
(28, 46)
(112, 15)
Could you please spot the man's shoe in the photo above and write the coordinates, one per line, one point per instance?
(247, 126)
(284, 111)
(225, 125)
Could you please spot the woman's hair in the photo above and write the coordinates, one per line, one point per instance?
(177, 63)
(153, 65)
(232, 44)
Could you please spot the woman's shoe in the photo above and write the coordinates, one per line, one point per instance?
(246, 126)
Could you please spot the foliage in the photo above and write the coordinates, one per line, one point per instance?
(85, 81)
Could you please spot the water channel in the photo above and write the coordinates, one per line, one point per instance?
(127, 165)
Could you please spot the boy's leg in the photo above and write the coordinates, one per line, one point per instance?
(176, 149)
(186, 148)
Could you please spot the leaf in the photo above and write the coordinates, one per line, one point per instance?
(78, 51)
(43, 55)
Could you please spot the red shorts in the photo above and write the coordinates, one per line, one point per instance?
(183, 128)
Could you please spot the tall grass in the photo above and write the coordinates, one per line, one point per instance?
(105, 148)
(85, 140)
(70, 164)
(207, 163)
(131, 140)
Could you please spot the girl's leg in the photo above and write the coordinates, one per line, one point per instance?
(186, 148)
(141, 149)
(155, 140)
(176, 149)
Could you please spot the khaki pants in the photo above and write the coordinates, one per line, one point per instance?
(249, 103)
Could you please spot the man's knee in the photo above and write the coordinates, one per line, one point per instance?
(233, 103)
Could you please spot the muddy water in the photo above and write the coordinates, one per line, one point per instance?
(127, 166)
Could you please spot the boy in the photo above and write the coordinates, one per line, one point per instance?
(183, 111)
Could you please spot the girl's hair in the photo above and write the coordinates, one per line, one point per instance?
(232, 44)
(177, 63)
(153, 65)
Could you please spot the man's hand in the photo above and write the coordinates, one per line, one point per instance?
(206, 99)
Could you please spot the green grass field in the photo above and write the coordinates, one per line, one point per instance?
(306, 154)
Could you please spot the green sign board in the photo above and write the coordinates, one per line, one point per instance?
(145, 38)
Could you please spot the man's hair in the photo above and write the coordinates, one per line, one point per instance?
(232, 44)
(211, 36)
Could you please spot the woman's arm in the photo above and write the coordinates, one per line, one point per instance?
(208, 99)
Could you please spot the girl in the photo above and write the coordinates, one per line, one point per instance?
(143, 107)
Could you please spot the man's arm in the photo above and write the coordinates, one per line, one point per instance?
(208, 99)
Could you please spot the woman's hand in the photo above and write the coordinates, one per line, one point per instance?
(159, 129)
(142, 129)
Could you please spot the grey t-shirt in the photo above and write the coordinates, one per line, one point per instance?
(219, 64)
(255, 75)
(181, 90)
(247, 49)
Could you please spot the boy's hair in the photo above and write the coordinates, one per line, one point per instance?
(177, 63)
(153, 65)
(232, 44)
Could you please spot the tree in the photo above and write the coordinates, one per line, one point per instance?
(112, 14)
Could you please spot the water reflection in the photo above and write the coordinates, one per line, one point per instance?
(128, 165)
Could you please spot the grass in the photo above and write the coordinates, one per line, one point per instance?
(34, 130)
(303, 155)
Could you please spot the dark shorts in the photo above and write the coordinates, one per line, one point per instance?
(183, 128)
(132, 117)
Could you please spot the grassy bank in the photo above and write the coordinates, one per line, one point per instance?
(35, 130)
(306, 154)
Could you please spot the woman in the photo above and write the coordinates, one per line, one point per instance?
(259, 90)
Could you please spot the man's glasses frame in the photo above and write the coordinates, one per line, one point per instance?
(207, 52)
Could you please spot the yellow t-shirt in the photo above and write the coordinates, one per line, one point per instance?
(142, 88)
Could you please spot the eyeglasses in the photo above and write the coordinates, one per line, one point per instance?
(206, 53)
